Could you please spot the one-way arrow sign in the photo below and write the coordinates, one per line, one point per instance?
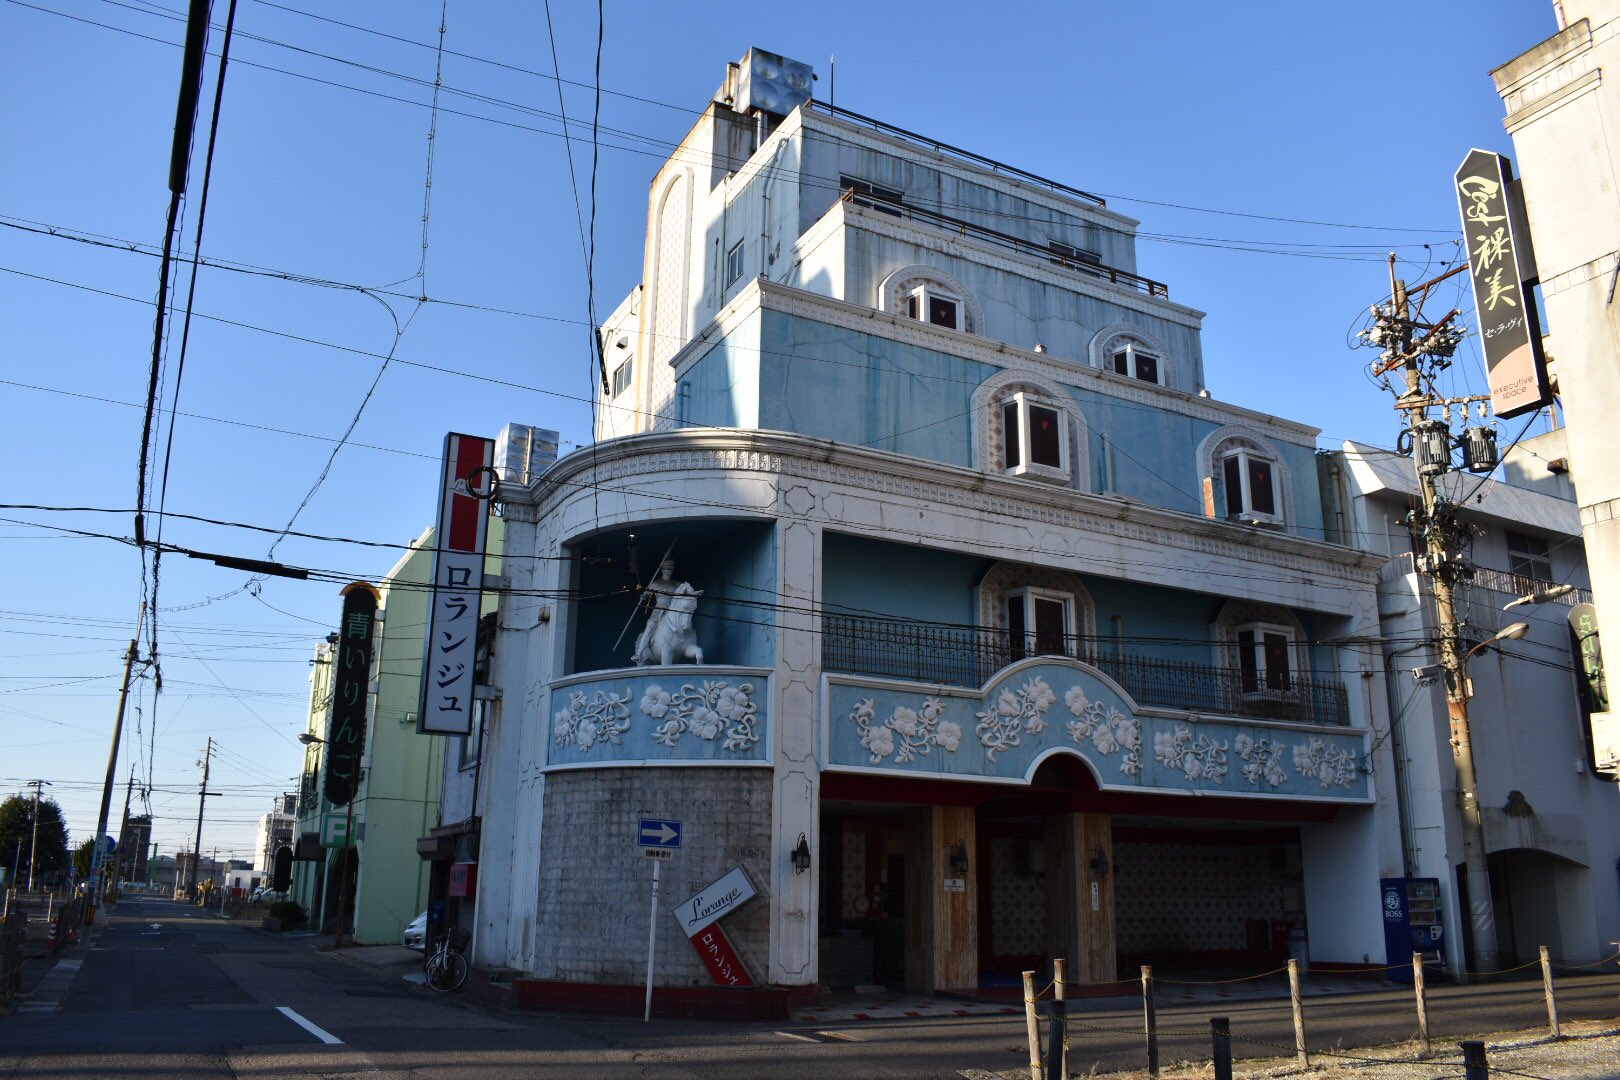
(659, 833)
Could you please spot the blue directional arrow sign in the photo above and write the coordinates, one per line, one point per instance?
(659, 833)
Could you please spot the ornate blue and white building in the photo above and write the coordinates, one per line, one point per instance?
(1016, 643)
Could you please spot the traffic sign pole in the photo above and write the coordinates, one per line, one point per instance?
(652, 941)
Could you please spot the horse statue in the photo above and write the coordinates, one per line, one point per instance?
(672, 636)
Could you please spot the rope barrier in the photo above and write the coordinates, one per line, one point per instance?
(1219, 982)
(1611, 958)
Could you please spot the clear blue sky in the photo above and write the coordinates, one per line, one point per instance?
(1352, 114)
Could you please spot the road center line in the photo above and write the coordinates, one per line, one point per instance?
(325, 1036)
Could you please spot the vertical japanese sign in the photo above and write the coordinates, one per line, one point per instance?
(466, 486)
(351, 681)
(1498, 246)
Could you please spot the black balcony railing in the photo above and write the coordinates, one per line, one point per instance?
(1010, 242)
(970, 656)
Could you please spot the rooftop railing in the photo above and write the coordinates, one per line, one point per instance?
(957, 152)
(970, 656)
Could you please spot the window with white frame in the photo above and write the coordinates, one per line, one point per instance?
(1263, 655)
(928, 303)
(1034, 437)
(734, 262)
(1039, 623)
(1251, 485)
(1135, 362)
(622, 375)
(1528, 556)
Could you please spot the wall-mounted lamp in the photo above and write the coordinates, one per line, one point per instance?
(1099, 864)
(310, 739)
(959, 858)
(801, 855)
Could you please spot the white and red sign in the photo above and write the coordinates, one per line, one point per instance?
(466, 487)
(700, 918)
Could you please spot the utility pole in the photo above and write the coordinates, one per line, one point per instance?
(1442, 561)
(202, 801)
(96, 856)
(123, 832)
(33, 846)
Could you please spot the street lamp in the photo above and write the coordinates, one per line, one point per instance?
(309, 738)
(1543, 596)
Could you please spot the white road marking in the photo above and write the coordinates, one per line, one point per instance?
(325, 1036)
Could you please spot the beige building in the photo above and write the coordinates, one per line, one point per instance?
(1564, 117)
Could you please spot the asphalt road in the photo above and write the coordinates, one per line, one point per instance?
(167, 991)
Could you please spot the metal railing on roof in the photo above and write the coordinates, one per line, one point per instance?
(1485, 577)
(955, 151)
(970, 656)
(1007, 240)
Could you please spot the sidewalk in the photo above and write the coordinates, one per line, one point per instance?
(883, 1005)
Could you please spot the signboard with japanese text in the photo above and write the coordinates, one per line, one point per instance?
(700, 917)
(725, 966)
(466, 487)
(1498, 251)
(351, 681)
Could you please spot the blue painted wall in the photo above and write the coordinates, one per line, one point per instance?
(833, 383)
(871, 577)
(825, 381)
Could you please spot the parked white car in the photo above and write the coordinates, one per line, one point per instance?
(415, 936)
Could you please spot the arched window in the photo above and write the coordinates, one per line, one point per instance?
(1252, 478)
(1037, 611)
(1134, 353)
(1031, 429)
(930, 295)
(1264, 646)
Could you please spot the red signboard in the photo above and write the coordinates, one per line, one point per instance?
(463, 879)
(719, 957)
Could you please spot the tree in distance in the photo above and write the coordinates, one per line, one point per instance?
(17, 839)
(82, 856)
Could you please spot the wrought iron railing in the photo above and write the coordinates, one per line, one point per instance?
(1010, 242)
(970, 656)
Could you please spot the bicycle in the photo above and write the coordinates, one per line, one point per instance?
(447, 965)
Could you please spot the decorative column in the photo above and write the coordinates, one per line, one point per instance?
(942, 902)
(1080, 894)
(796, 778)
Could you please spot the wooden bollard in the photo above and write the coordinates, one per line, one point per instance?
(1150, 1022)
(1422, 1003)
(1475, 1066)
(1299, 1015)
(1220, 1037)
(1547, 989)
(1033, 1026)
(1057, 1061)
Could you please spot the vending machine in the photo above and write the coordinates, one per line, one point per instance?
(1412, 924)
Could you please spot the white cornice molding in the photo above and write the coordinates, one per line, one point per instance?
(778, 456)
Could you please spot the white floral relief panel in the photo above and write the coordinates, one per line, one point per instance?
(661, 715)
(1039, 707)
